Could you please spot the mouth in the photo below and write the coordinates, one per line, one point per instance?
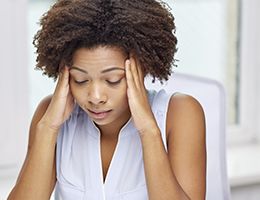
(97, 114)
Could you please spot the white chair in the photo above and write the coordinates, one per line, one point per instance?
(211, 95)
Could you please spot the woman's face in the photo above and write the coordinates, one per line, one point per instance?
(98, 84)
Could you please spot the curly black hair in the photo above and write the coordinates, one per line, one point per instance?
(143, 27)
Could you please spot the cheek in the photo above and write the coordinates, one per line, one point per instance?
(73, 91)
(78, 94)
(124, 92)
(121, 96)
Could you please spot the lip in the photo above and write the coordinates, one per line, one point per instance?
(99, 114)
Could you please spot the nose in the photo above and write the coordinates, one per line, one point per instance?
(96, 94)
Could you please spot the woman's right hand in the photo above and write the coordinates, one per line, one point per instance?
(61, 105)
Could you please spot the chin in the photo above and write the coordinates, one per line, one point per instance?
(101, 122)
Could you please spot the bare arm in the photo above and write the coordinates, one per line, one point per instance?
(187, 144)
(180, 173)
(37, 177)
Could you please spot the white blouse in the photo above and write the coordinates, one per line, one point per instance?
(78, 158)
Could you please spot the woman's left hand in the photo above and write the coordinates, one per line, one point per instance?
(137, 98)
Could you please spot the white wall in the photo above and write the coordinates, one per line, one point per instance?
(13, 85)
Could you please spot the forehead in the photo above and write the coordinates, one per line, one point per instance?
(98, 60)
(99, 55)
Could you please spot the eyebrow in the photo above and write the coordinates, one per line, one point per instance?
(103, 71)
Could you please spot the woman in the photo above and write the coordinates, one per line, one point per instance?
(102, 135)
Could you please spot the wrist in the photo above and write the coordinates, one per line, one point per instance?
(45, 135)
(44, 126)
(150, 131)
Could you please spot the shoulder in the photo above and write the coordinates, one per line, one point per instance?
(43, 104)
(184, 112)
(41, 108)
(186, 143)
(39, 112)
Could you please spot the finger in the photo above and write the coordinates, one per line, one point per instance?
(65, 76)
(139, 80)
(140, 71)
(133, 69)
(62, 86)
(70, 103)
(129, 75)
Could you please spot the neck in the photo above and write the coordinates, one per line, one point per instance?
(112, 130)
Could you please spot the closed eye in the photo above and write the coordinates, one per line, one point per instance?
(113, 82)
(80, 82)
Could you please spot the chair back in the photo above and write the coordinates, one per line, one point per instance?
(211, 96)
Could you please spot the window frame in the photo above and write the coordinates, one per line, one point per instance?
(248, 129)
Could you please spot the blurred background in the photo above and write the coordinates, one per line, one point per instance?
(217, 39)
